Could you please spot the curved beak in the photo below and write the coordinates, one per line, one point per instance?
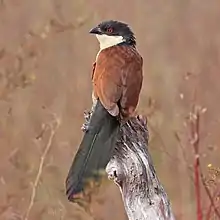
(95, 30)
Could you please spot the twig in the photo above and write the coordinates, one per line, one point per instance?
(210, 198)
(190, 169)
(194, 129)
(209, 211)
(164, 150)
(43, 130)
(41, 165)
(59, 27)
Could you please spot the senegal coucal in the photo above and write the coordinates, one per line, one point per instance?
(117, 80)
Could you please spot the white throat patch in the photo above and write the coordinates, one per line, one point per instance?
(108, 41)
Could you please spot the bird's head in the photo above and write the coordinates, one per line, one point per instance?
(110, 33)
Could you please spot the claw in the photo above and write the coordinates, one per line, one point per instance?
(85, 127)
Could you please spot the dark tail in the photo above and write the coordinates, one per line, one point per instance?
(94, 151)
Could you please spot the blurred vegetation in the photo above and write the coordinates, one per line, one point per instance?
(46, 57)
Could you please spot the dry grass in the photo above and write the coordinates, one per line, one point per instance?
(46, 56)
(53, 129)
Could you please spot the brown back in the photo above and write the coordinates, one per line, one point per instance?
(117, 78)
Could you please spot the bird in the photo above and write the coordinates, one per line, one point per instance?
(117, 78)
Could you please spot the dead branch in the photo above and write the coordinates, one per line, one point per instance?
(211, 198)
(53, 129)
(132, 169)
(194, 122)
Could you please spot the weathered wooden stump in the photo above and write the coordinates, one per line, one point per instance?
(132, 169)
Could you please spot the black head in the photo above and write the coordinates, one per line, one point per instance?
(115, 28)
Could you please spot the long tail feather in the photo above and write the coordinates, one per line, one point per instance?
(94, 151)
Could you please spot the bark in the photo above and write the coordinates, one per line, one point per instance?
(132, 169)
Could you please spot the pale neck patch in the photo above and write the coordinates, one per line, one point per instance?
(106, 41)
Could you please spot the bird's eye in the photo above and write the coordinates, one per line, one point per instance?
(109, 30)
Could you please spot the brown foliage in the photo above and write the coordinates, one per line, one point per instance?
(46, 57)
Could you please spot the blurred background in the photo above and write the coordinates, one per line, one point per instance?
(46, 57)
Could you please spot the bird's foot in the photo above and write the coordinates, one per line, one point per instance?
(85, 127)
(87, 117)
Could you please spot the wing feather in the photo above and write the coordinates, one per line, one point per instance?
(117, 78)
